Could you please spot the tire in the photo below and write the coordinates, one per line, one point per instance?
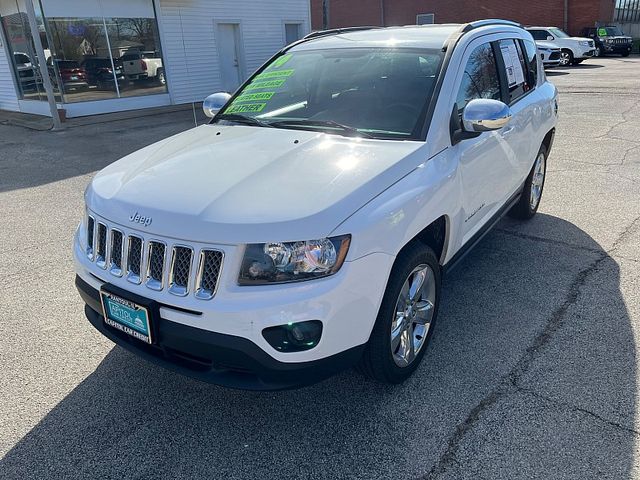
(160, 77)
(526, 207)
(566, 58)
(598, 52)
(379, 362)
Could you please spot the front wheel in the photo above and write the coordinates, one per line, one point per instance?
(566, 58)
(406, 318)
(598, 52)
(531, 195)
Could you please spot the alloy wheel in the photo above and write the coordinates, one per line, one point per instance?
(537, 181)
(565, 59)
(413, 315)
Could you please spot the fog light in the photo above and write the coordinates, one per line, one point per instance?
(294, 337)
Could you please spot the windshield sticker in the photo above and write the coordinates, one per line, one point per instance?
(266, 84)
(252, 97)
(280, 61)
(246, 108)
(602, 32)
(275, 73)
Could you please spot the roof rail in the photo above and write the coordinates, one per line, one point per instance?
(337, 31)
(491, 21)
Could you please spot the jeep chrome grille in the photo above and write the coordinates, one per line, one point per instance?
(208, 273)
(101, 246)
(180, 269)
(115, 262)
(154, 262)
(91, 236)
(155, 268)
(134, 259)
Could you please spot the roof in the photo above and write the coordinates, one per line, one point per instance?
(416, 36)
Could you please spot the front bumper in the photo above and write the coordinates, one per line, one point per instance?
(346, 303)
(226, 360)
(617, 48)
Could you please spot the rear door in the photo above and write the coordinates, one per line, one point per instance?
(515, 65)
(487, 165)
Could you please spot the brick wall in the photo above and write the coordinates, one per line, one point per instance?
(582, 13)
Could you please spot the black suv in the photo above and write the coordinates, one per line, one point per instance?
(609, 40)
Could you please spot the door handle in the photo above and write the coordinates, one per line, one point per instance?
(507, 131)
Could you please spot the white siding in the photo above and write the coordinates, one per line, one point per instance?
(192, 66)
(8, 98)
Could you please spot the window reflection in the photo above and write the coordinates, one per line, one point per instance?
(22, 49)
(135, 45)
(95, 56)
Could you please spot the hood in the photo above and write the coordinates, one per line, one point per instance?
(245, 184)
(548, 45)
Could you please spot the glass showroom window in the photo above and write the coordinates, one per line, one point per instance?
(104, 49)
(22, 52)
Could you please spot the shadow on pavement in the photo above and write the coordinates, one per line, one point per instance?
(33, 158)
(129, 419)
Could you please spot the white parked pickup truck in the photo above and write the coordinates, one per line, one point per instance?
(139, 65)
(307, 228)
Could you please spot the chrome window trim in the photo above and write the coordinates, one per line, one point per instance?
(113, 269)
(152, 283)
(101, 262)
(179, 290)
(198, 291)
(132, 277)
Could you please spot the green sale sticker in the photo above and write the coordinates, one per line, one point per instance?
(266, 84)
(280, 61)
(252, 97)
(276, 73)
(247, 107)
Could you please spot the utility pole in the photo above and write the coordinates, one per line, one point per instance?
(382, 19)
(566, 15)
(325, 14)
(42, 63)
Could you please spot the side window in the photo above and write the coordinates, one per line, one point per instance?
(532, 60)
(480, 78)
(515, 69)
(538, 34)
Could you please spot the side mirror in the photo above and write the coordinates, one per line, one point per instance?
(550, 37)
(484, 115)
(214, 103)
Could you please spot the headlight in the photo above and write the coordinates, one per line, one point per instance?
(284, 262)
(584, 43)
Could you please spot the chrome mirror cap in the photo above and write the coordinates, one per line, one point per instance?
(484, 115)
(213, 103)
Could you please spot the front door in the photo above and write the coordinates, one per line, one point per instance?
(486, 167)
(230, 52)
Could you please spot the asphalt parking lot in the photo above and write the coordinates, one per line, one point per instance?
(532, 372)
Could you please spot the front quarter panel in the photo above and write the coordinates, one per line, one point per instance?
(389, 221)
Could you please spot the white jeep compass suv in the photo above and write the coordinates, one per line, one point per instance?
(308, 226)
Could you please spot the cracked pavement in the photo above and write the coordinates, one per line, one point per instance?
(532, 372)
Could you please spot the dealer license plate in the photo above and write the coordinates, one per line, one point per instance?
(126, 316)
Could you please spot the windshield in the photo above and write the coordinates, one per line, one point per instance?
(379, 92)
(609, 32)
(556, 32)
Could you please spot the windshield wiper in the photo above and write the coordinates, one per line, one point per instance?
(321, 123)
(234, 117)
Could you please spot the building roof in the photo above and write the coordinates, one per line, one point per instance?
(416, 36)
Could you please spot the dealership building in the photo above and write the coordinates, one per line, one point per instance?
(99, 56)
(571, 15)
